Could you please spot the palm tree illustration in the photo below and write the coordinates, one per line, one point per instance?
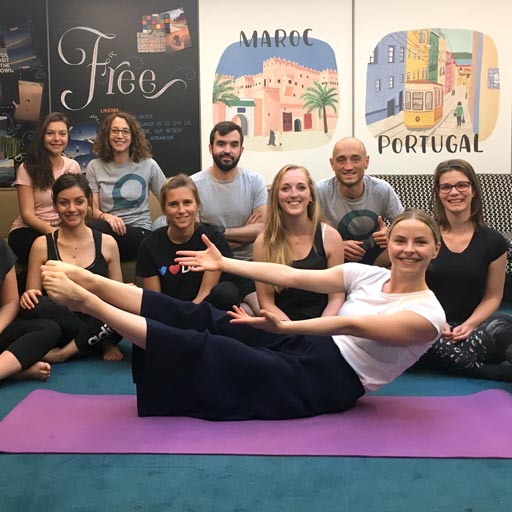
(223, 90)
(319, 97)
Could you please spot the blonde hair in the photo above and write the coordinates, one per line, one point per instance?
(417, 214)
(276, 248)
(178, 181)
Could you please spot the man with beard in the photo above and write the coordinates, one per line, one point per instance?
(232, 198)
(357, 205)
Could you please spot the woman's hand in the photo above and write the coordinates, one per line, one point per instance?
(267, 321)
(462, 332)
(447, 332)
(201, 261)
(29, 299)
(116, 224)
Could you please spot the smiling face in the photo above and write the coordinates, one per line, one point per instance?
(120, 136)
(294, 193)
(72, 206)
(56, 138)
(181, 208)
(349, 161)
(411, 246)
(455, 201)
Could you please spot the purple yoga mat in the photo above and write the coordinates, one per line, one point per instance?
(477, 425)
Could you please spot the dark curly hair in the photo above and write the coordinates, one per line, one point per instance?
(139, 146)
(37, 160)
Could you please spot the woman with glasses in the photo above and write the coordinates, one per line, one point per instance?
(121, 179)
(44, 163)
(468, 278)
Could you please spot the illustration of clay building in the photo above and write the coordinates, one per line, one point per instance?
(272, 99)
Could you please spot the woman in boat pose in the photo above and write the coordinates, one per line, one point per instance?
(205, 363)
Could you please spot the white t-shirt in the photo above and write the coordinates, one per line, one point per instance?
(377, 363)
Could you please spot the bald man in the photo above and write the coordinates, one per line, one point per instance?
(358, 205)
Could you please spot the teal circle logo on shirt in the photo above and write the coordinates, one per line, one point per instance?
(358, 225)
(121, 202)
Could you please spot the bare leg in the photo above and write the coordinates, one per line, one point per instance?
(38, 371)
(59, 355)
(10, 366)
(64, 291)
(124, 296)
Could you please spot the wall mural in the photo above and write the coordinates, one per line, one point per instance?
(281, 88)
(431, 90)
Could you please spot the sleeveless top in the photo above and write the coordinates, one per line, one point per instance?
(301, 304)
(99, 266)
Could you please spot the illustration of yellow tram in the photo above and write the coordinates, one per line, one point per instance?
(423, 103)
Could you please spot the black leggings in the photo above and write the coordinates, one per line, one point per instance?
(29, 340)
(20, 241)
(128, 244)
(86, 330)
(479, 354)
(197, 363)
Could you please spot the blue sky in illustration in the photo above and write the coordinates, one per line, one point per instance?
(459, 40)
(238, 60)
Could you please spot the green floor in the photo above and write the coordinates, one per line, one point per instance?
(245, 483)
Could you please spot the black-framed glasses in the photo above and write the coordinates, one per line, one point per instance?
(120, 131)
(461, 186)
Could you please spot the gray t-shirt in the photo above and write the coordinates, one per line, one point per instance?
(230, 203)
(124, 188)
(357, 219)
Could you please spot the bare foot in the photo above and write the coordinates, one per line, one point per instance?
(112, 352)
(38, 371)
(79, 275)
(59, 355)
(63, 290)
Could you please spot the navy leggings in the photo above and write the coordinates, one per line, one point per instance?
(197, 363)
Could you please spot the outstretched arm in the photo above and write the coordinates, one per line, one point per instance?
(402, 328)
(321, 281)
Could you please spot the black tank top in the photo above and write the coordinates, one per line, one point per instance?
(98, 266)
(301, 304)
